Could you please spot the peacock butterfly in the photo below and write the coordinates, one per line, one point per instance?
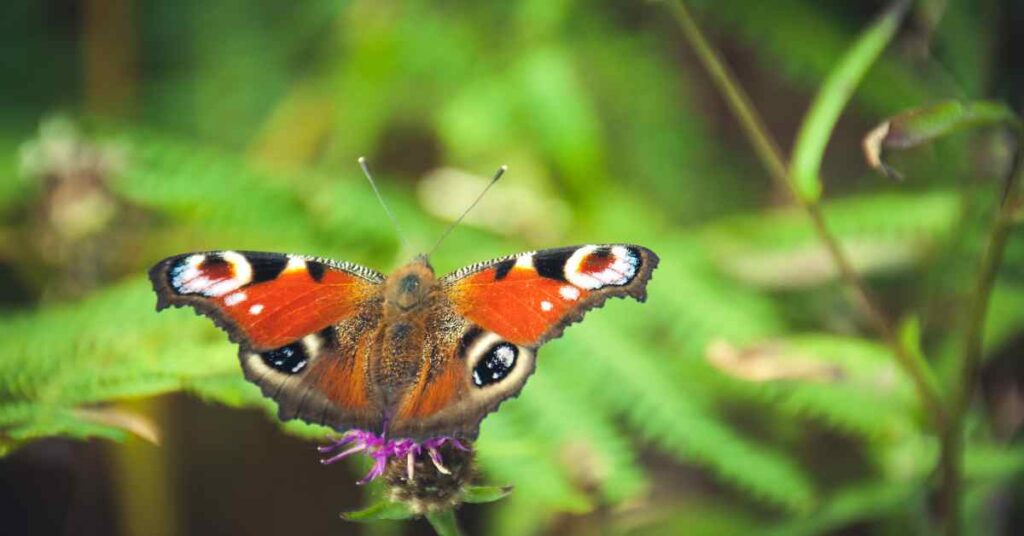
(409, 355)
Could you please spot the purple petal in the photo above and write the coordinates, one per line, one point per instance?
(382, 450)
(347, 453)
(340, 442)
(376, 471)
(435, 457)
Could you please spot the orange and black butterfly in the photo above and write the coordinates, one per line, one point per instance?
(342, 345)
(408, 356)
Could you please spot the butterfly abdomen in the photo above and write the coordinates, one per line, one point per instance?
(398, 348)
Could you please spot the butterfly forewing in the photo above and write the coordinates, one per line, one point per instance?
(299, 321)
(529, 298)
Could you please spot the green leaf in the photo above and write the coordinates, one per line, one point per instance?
(383, 510)
(800, 41)
(924, 125)
(444, 523)
(485, 494)
(835, 92)
(985, 461)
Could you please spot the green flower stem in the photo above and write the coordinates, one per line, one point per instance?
(951, 456)
(768, 151)
(444, 523)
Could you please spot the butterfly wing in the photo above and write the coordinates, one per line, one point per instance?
(302, 325)
(501, 311)
(530, 298)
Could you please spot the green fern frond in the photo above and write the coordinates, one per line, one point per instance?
(510, 450)
(881, 233)
(855, 503)
(589, 447)
(700, 516)
(648, 355)
(648, 389)
(65, 357)
(199, 188)
(856, 386)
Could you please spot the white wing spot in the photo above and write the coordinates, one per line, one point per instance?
(569, 293)
(506, 355)
(188, 277)
(256, 309)
(295, 264)
(619, 272)
(546, 306)
(525, 261)
(235, 299)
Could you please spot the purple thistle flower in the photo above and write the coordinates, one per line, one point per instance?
(382, 450)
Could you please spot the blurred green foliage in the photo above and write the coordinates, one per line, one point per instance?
(747, 394)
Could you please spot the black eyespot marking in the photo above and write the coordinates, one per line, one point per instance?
(602, 252)
(328, 336)
(213, 260)
(496, 364)
(316, 270)
(551, 264)
(289, 359)
(503, 268)
(468, 338)
(266, 268)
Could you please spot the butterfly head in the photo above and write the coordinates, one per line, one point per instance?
(410, 285)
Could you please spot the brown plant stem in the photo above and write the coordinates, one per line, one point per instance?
(952, 441)
(739, 103)
(771, 157)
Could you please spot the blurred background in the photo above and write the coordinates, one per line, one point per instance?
(748, 394)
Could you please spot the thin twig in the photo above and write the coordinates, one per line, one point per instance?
(739, 103)
(952, 441)
(771, 157)
(990, 262)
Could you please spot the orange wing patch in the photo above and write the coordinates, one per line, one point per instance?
(343, 381)
(292, 305)
(530, 298)
(524, 309)
(264, 300)
(429, 398)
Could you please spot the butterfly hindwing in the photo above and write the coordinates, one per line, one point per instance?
(300, 322)
(481, 371)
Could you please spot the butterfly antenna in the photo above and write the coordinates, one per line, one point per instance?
(391, 215)
(497, 175)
